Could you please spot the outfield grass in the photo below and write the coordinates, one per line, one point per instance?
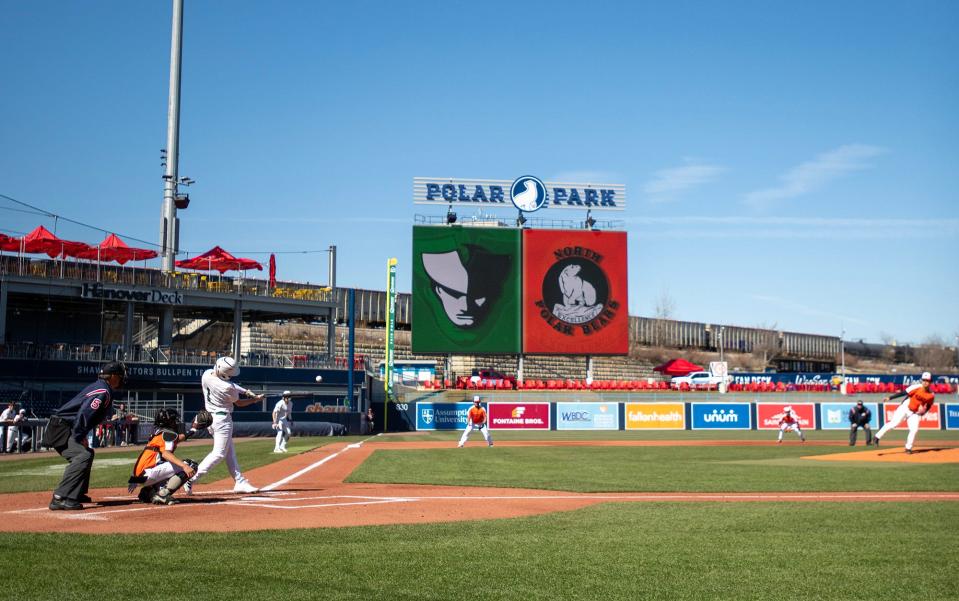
(43, 471)
(652, 469)
(628, 551)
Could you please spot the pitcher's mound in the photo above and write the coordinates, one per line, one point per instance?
(896, 454)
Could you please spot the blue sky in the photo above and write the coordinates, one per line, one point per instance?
(787, 164)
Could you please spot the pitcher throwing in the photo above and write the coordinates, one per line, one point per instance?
(220, 396)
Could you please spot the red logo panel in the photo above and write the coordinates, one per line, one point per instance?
(519, 416)
(929, 421)
(574, 292)
(769, 414)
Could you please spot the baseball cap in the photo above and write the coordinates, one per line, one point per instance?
(926, 376)
(788, 408)
(23, 412)
(287, 393)
(476, 398)
(859, 402)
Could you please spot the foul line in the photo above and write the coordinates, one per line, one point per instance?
(313, 466)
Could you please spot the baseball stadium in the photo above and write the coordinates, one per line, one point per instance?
(504, 419)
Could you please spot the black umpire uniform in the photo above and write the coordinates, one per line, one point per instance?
(67, 434)
(859, 417)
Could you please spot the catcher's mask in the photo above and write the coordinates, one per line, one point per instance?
(167, 418)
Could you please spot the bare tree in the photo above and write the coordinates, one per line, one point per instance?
(933, 354)
(665, 309)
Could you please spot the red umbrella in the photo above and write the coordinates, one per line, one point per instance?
(218, 259)
(42, 241)
(677, 367)
(114, 249)
(272, 271)
(9, 243)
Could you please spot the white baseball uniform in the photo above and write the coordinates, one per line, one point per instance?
(7, 415)
(13, 432)
(219, 397)
(916, 397)
(282, 422)
(789, 422)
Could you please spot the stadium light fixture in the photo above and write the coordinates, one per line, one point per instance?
(590, 222)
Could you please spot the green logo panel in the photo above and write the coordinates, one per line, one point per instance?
(466, 290)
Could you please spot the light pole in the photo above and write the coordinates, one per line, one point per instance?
(721, 330)
(169, 233)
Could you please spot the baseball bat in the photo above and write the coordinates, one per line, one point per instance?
(294, 394)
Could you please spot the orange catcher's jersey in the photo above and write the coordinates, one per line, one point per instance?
(161, 440)
(920, 397)
(476, 415)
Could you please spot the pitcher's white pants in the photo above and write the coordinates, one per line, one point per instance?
(903, 413)
(787, 427)
(222, 431)
(483, 430)
(282, 435)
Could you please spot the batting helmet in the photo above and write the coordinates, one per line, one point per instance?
(225, 368)
(114, 368)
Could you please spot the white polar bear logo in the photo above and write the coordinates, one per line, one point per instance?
(579, 297)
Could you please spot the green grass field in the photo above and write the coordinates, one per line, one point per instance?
(777, 551)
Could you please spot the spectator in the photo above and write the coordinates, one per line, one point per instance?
(368, 420)
(16, 432)
(6, 420)
(119, 423)
(859, 417)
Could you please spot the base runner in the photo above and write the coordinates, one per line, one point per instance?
(476, 420)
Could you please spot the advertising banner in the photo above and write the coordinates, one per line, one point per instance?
(835, 416)
(952, 417)
(721, 416)
(518, 416)
(574, 292)
(587, 416)
(441, 416)
(655, 416)
(466, 290)
(769, 414)
(929, 421)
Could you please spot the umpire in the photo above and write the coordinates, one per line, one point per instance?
(67, 434)
(859, 417)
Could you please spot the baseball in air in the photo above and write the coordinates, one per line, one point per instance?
(319, 378)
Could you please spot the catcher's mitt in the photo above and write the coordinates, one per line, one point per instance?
(203, 420)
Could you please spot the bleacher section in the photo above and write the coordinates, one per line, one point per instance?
(296, 341)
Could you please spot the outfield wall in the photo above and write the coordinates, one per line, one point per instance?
(667, 411)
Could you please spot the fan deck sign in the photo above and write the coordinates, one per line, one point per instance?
(574, 292)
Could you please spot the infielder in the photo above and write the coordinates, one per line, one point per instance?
(919, 398)
(158, 471)
(283, 421)
(220, 397)
(476, 420)
(789, 422)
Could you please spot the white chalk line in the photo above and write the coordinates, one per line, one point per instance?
(313, 466)
(97, 515)
(363, 501)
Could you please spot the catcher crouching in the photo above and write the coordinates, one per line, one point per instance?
(158, 471)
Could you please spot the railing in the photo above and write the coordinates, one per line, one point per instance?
(149, 277)
(114, 352)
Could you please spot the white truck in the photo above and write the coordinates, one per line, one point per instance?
(699, 380)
